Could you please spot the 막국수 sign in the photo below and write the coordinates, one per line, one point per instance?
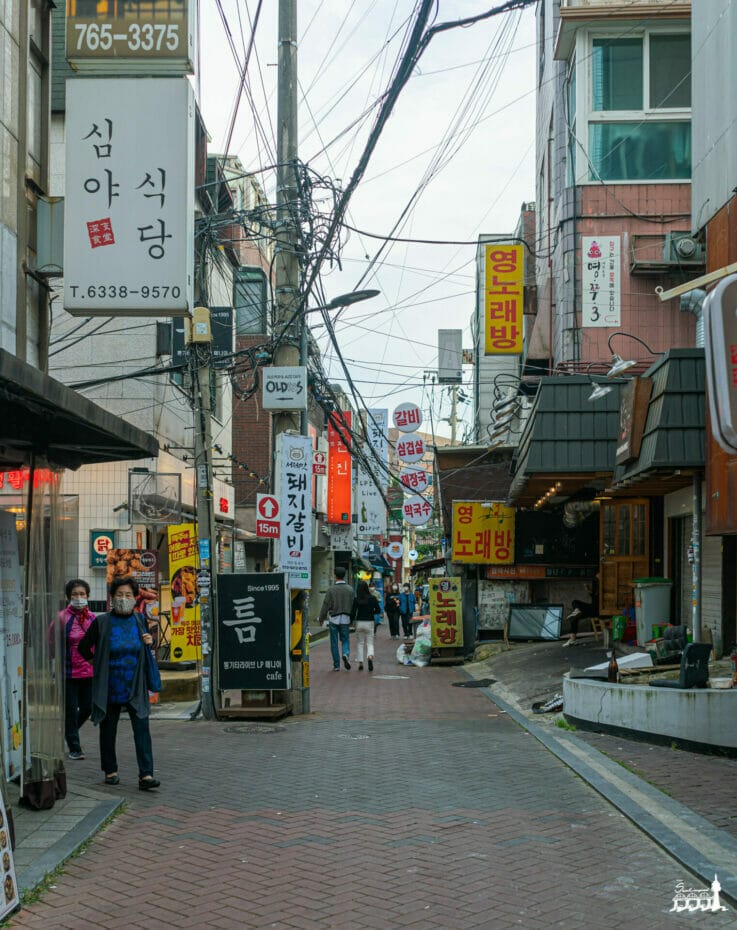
(129, 197)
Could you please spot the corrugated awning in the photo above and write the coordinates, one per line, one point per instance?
(43, 417)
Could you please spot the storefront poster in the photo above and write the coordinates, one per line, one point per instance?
(253, 631)
(446, 616)
(143, 566)
(11, 631)
(184, 628)
(483, 533)
(9, 900)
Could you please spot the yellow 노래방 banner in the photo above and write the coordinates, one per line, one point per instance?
(446, 618)
(504, 269)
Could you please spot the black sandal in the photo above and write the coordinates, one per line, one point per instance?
(148, 783)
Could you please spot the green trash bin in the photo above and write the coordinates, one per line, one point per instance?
(652, 605)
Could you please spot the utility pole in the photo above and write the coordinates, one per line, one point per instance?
(200, 352)
(289, 321)
(453, 413)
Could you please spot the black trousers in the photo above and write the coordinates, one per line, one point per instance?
(393, 623)
(77, 709)
(141, 738)
(587, 610)
(406, 624)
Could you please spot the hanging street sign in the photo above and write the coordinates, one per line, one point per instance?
(407, 417)
(284, 388)
(410, 448)
(267, 516)
(293, 554)
(395, 550)
(416, 510)
(319, 462)
(414, 479)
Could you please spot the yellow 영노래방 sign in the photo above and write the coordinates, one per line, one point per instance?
(504, 268)
(483, 533)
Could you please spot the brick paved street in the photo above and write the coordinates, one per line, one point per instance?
(402, 802)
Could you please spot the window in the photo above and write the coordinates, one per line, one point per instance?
(639, 108)
(249, 300)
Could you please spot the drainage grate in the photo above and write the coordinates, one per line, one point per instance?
(248, 729)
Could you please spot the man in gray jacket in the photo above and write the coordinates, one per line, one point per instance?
(337, 606)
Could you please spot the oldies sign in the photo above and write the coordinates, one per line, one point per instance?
(253, 631)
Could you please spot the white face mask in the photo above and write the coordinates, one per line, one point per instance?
(124, 605)
(78, 602)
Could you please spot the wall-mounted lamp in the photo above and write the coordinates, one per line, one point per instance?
(620, 365)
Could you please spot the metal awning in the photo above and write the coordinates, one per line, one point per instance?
(43, 417)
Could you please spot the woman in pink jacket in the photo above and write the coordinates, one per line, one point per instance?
(75, 620)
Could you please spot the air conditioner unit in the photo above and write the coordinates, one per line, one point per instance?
(680, 247)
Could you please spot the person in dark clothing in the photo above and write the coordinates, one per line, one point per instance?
(337, 607)
(407, 607)
(74, 622)
(392, 611)
(115, 642)
(582, 609)
(365, 607)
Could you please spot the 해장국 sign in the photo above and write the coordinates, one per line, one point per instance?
(129, 197)
(253, 631)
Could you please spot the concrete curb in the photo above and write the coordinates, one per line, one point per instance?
(58, 854)
(701, 847)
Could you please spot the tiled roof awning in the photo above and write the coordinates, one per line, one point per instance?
(673, 439)
(43, 417)
(567, 440)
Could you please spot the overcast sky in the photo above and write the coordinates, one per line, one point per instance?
(470, 105)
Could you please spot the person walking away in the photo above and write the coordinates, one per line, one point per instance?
(392, 611)
(582, 609)
(74, 622)
(116, 644)
(365, 608)
(407, 607)
(337, 608)
(379, 615)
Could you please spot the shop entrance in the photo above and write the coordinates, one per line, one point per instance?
(680, 531)
(624, 547)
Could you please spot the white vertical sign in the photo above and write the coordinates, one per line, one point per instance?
(601, 281)
(370, 506)
(11, 642)
(129, 197)
(294, 490)
(377, 432)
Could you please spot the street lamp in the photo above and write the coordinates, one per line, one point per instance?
(620, 365)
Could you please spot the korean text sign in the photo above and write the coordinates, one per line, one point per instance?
(129, 197)
(184, 629)
(483, 533)
(446, 617)
(503, 299)
(601, 277)
(294, 463)
(253, 631)
(339, 469)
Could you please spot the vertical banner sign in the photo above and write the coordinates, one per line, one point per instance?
(294, 471)
(450, 356)
(504, 268)
(601, 281)
(370, 503)
(253, 631)
(339, 469)
(184, 629)
(483, 533)
(129, 197)
(11, 642)
(446, 617)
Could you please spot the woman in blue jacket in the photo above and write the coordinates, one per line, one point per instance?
(407, 607)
